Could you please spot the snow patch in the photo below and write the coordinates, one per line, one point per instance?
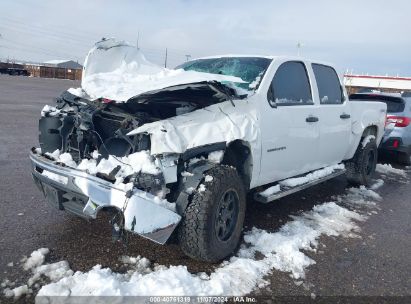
(293, 182)
(36, 258)
(216, 156)
(367, 139)
(280, 250)
(270, 191)
(388, 169)
(208, 178)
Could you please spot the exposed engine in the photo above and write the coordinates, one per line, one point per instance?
(79, 126)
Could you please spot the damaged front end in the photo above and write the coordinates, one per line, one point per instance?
(85, 195)
(90, 160)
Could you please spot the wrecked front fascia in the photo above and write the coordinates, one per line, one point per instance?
(144, 214)
(223, 122)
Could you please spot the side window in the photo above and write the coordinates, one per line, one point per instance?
(329, 87)
(290, 85)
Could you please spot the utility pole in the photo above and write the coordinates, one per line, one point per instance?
(165, 61)
(299, 46)
(188, 57)
(138, 38)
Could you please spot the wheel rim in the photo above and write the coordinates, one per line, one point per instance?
(227, 215)
(370, 162)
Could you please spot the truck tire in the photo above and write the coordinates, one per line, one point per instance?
(213, 220)
(361, 167)
(404, 159)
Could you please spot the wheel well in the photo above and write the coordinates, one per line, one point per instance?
(370, 130)
(238, 155)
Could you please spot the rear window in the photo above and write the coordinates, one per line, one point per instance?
(329, 87)
(394, 104)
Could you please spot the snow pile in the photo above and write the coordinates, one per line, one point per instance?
(64, 158)
(270, 191)
(293, 182)
(54, 272)
(281, 250)
(216, 156)
(16, 292)
(36, 258)
(117, 70)
(388, 169)
(367, 139)
(136, 162)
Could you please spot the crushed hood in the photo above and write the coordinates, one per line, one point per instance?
(119, 71)
(217, 123)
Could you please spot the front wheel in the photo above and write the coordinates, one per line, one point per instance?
(212, 223)
(361, 167)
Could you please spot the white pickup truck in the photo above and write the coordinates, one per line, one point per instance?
(178, 150)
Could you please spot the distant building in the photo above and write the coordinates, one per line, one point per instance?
(358, 83)
(63, 69)
(67, 64)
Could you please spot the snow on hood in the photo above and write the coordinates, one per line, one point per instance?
(117, 70)
(221, 122)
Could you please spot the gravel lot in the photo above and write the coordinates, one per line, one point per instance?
(377, 264)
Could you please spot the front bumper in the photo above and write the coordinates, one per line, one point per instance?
(65, 186)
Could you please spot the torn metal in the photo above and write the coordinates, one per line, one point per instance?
(143, 213)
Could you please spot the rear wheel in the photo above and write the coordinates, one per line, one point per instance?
(212, 223)
(361, 167)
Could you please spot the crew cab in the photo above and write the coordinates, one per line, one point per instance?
(176, 151)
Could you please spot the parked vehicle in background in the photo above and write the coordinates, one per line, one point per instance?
(396, 142)
(14, 71)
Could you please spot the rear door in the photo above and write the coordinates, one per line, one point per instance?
(290, 127)
(335, 116)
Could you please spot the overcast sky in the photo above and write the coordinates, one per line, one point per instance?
(368, 36)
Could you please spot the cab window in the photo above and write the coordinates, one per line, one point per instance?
(290, 85)
(329, 87)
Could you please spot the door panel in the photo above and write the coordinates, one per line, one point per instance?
(289, 139)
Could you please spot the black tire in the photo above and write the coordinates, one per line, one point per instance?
(361, 167)
(201, 234)
(404, 159)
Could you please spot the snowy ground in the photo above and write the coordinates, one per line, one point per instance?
(261, 253)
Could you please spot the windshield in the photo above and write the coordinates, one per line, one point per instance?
(249, 69)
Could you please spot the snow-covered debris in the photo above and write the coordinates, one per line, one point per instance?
(36, 258)
(367, 139)
(281, 250)
(136, 162)
(293, 182)
(64, 158)
(388, 169)
(78, 92)
(270, 191)
(118, 71)
(216, 156)
(50, 111)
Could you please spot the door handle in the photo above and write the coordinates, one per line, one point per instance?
(311, 119)
(345, 116)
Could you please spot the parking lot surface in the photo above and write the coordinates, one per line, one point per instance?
(375, 264)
